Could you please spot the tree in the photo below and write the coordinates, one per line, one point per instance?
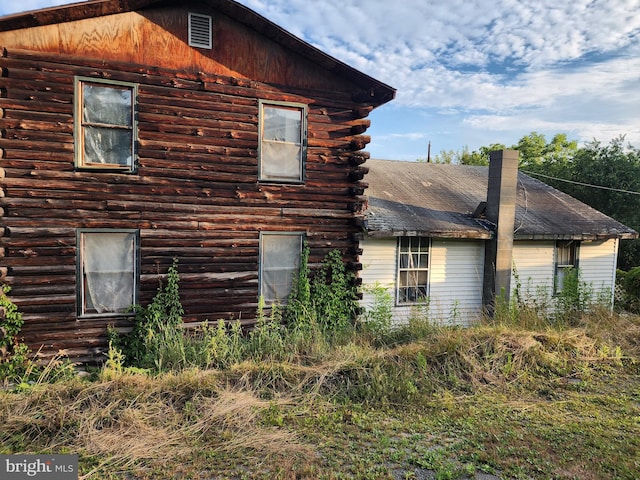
(615, 166)
(539, 156)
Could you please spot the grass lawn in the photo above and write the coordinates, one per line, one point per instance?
(505, 401)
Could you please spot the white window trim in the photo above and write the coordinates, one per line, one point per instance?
(80, 287)
(78, 126)
(300, 235)
(427, 269)
(303, 140)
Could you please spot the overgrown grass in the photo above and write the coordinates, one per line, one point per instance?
(512, 400)
(306, 394)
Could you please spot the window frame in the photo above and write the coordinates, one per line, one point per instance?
(195, 31)
(303, 108)
(79, 125)
(574, 251)
(301, 237)
(80, 277)
(400, 269)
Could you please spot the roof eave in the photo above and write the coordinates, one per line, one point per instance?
(578, 236)
(465, 235)
(373, 91)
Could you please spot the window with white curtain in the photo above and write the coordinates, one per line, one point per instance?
(282, 141)
(107, 271)
(566, 261)
(105, 124)
(279, 262)
(413, 270)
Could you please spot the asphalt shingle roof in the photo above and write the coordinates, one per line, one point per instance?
(426, 199)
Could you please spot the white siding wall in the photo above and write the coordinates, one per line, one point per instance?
(455, 278)
(533, 271)
(456, 271)
(597, 263)
(378, 266)
(456, 281)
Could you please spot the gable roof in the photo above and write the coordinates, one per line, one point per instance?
(435, 200)
(377, 92)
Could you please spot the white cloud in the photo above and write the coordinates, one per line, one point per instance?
(500, 65)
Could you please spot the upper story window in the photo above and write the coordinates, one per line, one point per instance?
(107, 271)
(279, 262)
(566, 262)
(105, 124)
(413, 270)
(283, 142)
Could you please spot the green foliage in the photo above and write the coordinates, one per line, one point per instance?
(17, 364)
(267, 340)
(630, 285)
(299, 312)
(10, 323)
(575, 170)
(328, 301)
(536, 153)
(157, 340)
(377, 318)
(478, 157)
(333, 294)
(615, 166)
(574, 297)
(632, 282)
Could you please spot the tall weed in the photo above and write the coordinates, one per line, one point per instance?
(18, 366)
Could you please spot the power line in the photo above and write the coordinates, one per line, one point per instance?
(582, 184)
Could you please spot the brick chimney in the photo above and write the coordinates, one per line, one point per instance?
(501, 211)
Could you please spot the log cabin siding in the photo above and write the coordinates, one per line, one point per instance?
(194, 195)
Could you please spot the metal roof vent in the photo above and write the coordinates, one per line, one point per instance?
(200, 31)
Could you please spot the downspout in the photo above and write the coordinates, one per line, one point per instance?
(501, 211)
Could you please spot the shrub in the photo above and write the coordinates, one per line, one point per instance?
(328, 301)
(333, 294)
(10, 323)
(377, 318)
(157, 338)
(17, 364)
(631, 285)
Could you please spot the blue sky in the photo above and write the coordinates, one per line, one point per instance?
(476, 72)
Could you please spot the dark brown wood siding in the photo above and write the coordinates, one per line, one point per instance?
(195, 195)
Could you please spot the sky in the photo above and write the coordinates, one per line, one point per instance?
(471, 73)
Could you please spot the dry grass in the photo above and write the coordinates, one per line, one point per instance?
(135, 421)
(263, 416)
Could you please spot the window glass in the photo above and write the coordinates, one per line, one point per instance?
(107, 146)
(279, 262)
(107, 271)
(566, 262)
(413, 270)
(107, 104)
(282, 142)
(106, 127)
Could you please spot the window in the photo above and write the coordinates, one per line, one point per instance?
(413, 270)
(200, 31)
(107, 271)
(566, 262)
(282, 146)
(105, 127)
(279, 262)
